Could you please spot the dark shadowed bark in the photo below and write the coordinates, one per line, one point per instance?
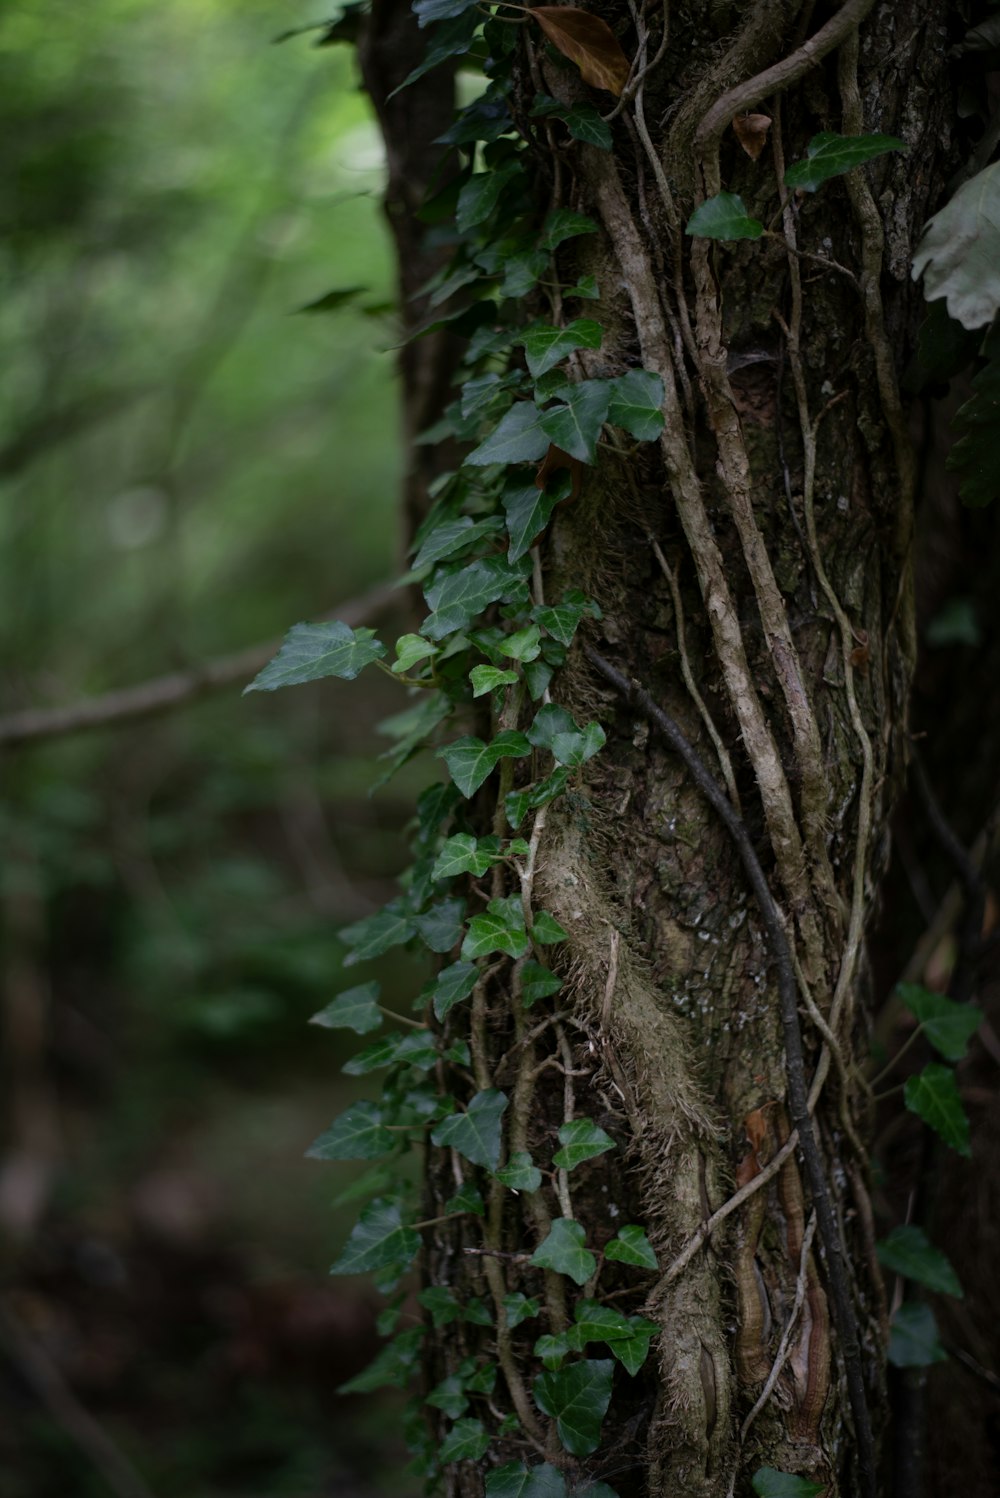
(753, 571)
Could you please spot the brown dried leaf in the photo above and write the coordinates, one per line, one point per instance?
(555, 459)
(861, 654)
(751, 132)
(589, 42)
(757, 1131)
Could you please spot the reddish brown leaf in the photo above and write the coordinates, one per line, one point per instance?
(555, 459)
(751, 132)
(757, 1131)
(861, 654)
(588, 41)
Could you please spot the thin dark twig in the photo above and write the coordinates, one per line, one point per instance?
(798, 1093)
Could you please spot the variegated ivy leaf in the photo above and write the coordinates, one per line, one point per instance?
(313, 651)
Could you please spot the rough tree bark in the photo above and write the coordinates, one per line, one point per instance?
(754, 577)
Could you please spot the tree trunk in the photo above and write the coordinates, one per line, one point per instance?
(753, 573)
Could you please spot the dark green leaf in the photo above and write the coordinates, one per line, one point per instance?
(518, 803)
(581, 1139)
(908, 1251)
(528, 510)
(453, 984)
(519, 1174)
(546, 930)
(356, 1009)
(545, 346)
(477, 1133)
(377, 933)
(633, 1351)
(467, 1198)
(470, 761)
(594, 1322)
(464, 854)
(563, 224)
(522, 271)
(357, 1134)
(552, 1349)
(631, 1246)
(457, 597)
(398, 1048)
(913, 1339)
(495, 931)
(518, 1308)
(577, 1398)
(933, 1095)
(518, 438)
(450, 538)
(333, 300)
(637, 404)
(515, 1480)
(537, 983)
(451, 39)
(723, 217)
(585, 124)
(524, 644)
(576, 425)
(949, 1026)
(482, 193)
(393, 1366)
(483, 1379)
(478, 1313)
(380, 1238)
(450, 1396)
(442, 1304)
(769, 1483)
(829, 155)
(564, 1251)
(313, 651)
(465, 1442)
(427, 11)
(442, 925)
(562, 619)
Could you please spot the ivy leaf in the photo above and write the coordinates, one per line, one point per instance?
(576, 425)
(476, 1134)
(631, 1246)
(449, 538)
(637, 404)
(484, 1380)
(562, 620)
(933, 1095)
(581, 1139)
(551, 1349)
(410, 649)
(450, 1396)
(528, 510)
(465, 1442)
(481, 194)
(633, 1351)
(589, 42)
(586, 288)
(577, 1398)
(562, 224)
(515, 1480)
(767, 1482)
(467, 1198)
(393, 1366)
(494, 931)
(913, 1339)
(594, 1322)
(537, 983)
(519, 1174)
(949, 1026)
(517, 438)
(564, 1251)
(427, 11)
(464, 854)
(908, 1251)
(453, 984)
(555, 730)
(380, 1238)
(457, 597)
(584, 123)
(545, 346)
(414, 1048)
(451, 39)
(959, 253)
(830, 155)
(488, 678)
(470, 761)
(518, 1308)
(358, 1134)
(546, 930)
(377, 933)
(524, 644)
(442, 1303)
(356, 1009)
(723, 217)
(442, 925)
(311, 652)
(518, 803)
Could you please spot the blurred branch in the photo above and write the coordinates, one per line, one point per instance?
(163, 693)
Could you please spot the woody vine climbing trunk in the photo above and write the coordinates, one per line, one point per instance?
(751, 568)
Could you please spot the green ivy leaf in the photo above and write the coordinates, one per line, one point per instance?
(585, 124)
(581, 1139)
(562, 620)
(576, 424)
(564, 1251)
(594, 1322)
(464, 854)
(442, 925)
(450, 538)
(483, 1380)
(633, 1351)
(949, 1026)
(481, 194)
(457, 597)
(495, 931)
(373, 1182)
(356, 1009)
(427, 11)
(412, 1048)
(393, 1366)
(378, 933)
(470, 761)
(586, 288)
(379, 1239)
(515, 1480)
(907, 1250)
(562, 224)
(518, 1308)
(537, 983)
(546, 930)
(517, 438)
(477, 1133)
(524, 644)
(478, 1313)
(450, 1396)
(487, 679)
(767, 1482)
(410, 650)
(451, 39)
(518, 803)
(830, 155)
(358, 1134)
(442, 1304)
(313, 651)
(577, 1398)
(546, 346)
(465, 1442)
(528, 511)
(555, 730)
(631, 1246)
(519, 1174)
(551, 1349)
(723, 217)
(933, 1095)
(637, 404)
(452, 985)
(467, 1198)
(913, 1339)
